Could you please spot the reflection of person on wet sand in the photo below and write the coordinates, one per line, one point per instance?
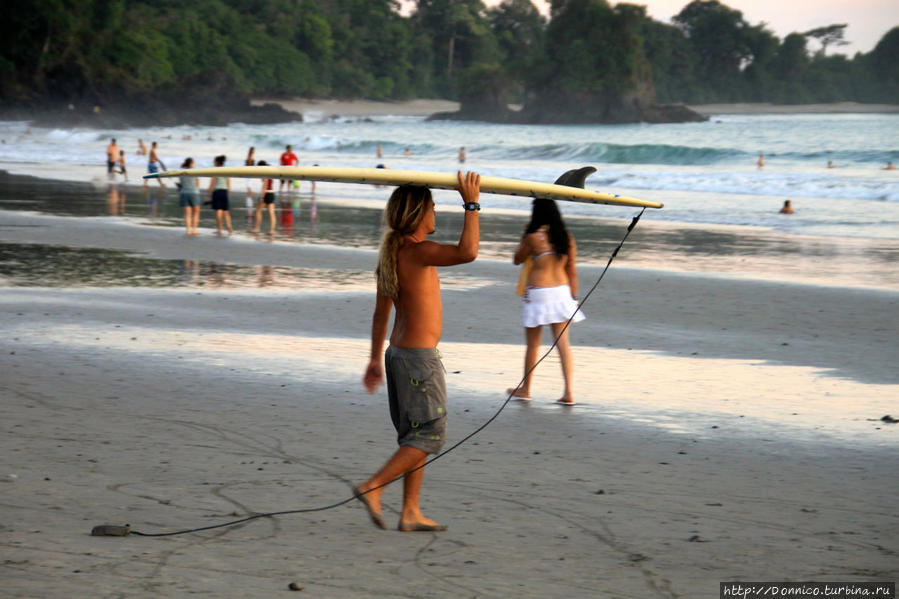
(266, 276)
(787, 207)
(416, 388)
(267, 200)
(115, 200)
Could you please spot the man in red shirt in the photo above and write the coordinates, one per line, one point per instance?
(288, 158)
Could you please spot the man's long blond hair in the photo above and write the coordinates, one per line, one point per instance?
(405, 210)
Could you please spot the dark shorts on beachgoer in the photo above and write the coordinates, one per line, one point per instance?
(220, 199)
(110, 166)
(416, 390)
(269, 198)
(188, 198)
(152, 167)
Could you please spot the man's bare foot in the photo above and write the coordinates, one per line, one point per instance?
(518, 394)
(421, 525)
(566, 401)
(372, 503)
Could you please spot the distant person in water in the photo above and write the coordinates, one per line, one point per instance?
(761, 161)
(407, 152)
(219, 190)
(288, 158)
(379, 153)
(121, 162)
(268, 201)
(889, 167)
(787, 207)
(407, 282)
(190, 200)
(141, 148)
(112, 156)
(154, 164)
(462, 155)
(830, 164)
(550, 295)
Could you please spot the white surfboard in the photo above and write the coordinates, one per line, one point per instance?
(432, 179)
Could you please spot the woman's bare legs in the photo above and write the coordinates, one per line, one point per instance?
(564, 347)
(533, 336)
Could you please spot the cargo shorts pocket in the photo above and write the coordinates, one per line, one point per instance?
(427, 400)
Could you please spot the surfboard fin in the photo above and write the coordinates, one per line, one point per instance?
(576, 177)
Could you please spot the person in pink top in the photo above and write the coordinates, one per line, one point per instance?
(288, 158)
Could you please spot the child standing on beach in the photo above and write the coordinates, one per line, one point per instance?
(268, 200)
(219, 190)
(416, 388)
(189, 200)
(122, 169)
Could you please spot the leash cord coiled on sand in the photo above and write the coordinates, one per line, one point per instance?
(465, 439)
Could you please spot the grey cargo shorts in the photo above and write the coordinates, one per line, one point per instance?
(416, 390)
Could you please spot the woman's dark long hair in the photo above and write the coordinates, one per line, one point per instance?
(546, 213)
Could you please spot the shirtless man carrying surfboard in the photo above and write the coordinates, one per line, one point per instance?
(408, 281)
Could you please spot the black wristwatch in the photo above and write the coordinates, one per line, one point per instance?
(471, 206)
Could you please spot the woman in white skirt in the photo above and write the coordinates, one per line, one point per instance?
(550, 294)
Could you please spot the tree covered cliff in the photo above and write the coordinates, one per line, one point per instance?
(588, 55)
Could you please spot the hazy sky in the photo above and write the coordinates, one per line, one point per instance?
(868, 20)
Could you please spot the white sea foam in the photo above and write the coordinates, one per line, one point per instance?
(704, 172)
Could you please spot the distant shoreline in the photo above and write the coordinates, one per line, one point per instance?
(426, 107)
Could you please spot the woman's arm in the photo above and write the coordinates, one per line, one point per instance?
(571, 267)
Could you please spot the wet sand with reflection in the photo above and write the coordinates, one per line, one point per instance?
(339, 220)
(729, 427)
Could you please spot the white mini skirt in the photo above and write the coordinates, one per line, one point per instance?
(548, 305)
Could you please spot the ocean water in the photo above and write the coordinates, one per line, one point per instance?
(704, 173)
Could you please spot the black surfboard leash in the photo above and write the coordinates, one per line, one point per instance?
(113, 530)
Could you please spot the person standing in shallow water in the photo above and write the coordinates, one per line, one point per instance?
(550, 296)
(408, 281)
(153, 164)
(189, 200)
(219, 190)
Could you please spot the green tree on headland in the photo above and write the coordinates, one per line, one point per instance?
(597, 58)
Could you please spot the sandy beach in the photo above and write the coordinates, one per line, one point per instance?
(730, 429)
